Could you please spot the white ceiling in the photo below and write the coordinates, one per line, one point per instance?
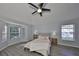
(22, 12)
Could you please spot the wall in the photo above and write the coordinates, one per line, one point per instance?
(70, 43)
(8, 42)
(46, 28)
(30, 32)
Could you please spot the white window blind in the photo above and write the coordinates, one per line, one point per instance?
(67, 32)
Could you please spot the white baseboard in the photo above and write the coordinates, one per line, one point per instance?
(68, 45)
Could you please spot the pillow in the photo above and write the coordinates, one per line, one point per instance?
(43, 37)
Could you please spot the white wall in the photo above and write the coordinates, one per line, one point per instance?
(46, 28)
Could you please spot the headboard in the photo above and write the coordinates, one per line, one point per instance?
(44, 34)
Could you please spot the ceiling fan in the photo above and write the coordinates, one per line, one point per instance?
(39, 9)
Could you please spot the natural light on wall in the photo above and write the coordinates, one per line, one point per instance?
(67, 32)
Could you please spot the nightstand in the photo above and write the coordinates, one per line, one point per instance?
(35, 36)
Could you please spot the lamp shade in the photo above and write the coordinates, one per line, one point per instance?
(35, 32)
(53, 34)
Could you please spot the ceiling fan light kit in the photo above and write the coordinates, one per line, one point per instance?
(39, 9)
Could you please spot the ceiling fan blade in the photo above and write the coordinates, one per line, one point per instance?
(41, 5)
(44, 4)
(33, 5)
(40, 14)
(44, 9)
(34, 12)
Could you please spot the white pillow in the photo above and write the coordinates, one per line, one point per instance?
(43, 37)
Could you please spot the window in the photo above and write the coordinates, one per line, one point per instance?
(14, 32)
(11, 30)
(67, 32)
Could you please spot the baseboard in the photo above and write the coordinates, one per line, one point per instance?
(68, 45)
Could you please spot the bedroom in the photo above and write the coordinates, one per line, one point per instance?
(18, 16)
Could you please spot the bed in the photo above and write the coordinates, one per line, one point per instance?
(41, 45)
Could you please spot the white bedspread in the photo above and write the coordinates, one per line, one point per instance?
(41, 45)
